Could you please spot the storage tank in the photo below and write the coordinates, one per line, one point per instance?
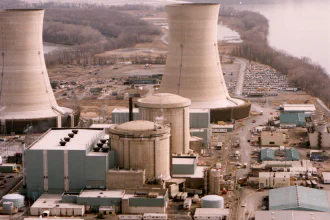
(16, 199)
(142, 145)
(193, 68)
(26, 96)
(215, 180)
(7, 206)
(213, 201)
(166, 108)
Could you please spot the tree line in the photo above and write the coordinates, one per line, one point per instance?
(88, 29)
(253, 28)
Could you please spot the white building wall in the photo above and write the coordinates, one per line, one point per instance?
(140, 209)
(269, 181)
(313, 139)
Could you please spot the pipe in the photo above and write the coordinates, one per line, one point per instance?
(130, 109)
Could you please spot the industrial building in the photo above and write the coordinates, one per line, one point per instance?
(296, 118)
(121, 115)
(127, 178)
(211, 213)
(142, 145)
(298, 108)
(169, 109)
(66, 160)
(272, 139)
(299, 198)
(291, 215)
(193, 55)
(267, 154)
(318, 131)
(26, 96)
(292, 154)
(326, 177)
(274, 179)
(129, 201)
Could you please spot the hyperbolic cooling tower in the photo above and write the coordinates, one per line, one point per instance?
(26, 95)
(193, 68)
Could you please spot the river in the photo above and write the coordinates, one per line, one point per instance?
(301, 28)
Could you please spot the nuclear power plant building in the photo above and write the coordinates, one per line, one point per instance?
(26, 96)
(193, 68)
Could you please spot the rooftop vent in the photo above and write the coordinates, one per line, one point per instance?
(75, 131)
(71, 135)
(67, 139)
(62, 142)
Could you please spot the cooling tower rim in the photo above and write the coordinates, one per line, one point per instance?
(22, 10)
(192, 4)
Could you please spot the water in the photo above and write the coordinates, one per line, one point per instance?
(228, 35)
(299, 27)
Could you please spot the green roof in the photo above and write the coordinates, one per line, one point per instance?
(292, 154)
(294, 118)
(298, 198)
(267, 154)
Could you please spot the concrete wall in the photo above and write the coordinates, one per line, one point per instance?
(95, 171)
(34, 170)
(183, 169)
(226, 114)
(55, 171)
(76, 170)
(97, 202)
(313, 139)
(122, 179)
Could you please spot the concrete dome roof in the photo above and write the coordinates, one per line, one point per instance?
(140, 128)
(163, 100)
(138, 125)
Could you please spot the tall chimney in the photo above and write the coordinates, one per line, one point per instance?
(130, 109)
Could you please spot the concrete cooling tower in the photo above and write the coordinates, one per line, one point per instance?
(26, 96)
(193, 68)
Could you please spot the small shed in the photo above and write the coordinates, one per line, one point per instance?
(267, 154)
(326, 177)
(292, 154)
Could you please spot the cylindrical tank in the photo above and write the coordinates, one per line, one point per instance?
(142, 145)
(212, 201)
(320, 126)
(7, 206)
(318, 115)
(193, 68)
(215, 180)
(171, 109)
(16, 199)
(26, 93)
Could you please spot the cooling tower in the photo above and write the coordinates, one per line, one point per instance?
(193, 68)
(26, 96)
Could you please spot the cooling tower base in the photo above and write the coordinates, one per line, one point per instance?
(229, 113)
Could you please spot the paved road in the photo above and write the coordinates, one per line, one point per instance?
(240, 79)
(244, 133)
(323, 107)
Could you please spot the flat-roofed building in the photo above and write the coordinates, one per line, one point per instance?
(291, 215)
(211, 213)
(53, 168)
(274, 179)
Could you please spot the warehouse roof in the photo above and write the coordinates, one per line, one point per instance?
(326, 176)
(267, 154)
(81, 141)
(291, 215)
(298, 198)
(211, 212)
(102, 193)
(183, 160)
(299, 107)
(47, 201)
(292, 154)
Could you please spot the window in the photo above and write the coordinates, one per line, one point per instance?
(271, 142)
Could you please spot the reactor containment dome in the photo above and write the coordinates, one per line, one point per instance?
(26, 96)
(142, 145)
(171, 109)
(193, 68)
